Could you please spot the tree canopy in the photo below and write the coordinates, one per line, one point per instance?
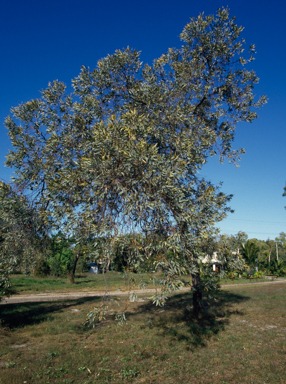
(123, 151)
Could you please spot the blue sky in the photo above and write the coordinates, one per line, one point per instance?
(46, 40)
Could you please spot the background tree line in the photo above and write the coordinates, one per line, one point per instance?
(55, 254)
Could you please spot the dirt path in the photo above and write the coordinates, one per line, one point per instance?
(56, 296)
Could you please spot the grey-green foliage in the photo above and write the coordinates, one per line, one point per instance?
(236, 241)
(21, 230)
(123, 151)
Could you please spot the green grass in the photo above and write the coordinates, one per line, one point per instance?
(243, 281)
(91, 282)
(240, 339)
(84, 282)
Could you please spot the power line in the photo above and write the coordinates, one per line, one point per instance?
(260, 233)
(259, 221)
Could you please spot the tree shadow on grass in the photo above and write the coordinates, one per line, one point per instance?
(18, 315)
(176, 319)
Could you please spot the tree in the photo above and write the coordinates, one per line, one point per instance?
(250, 253)
(22, 234)
(281, 245)
(122, 152)
(271, 251)
(228, 249)
(236, 241)
(263, 252)
(62, 257)
(232, 243)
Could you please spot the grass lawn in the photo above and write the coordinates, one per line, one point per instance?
(91, 282)
(84, 282)
(241, 339)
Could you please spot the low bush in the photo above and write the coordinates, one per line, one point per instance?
(42, 268)
(56, 267)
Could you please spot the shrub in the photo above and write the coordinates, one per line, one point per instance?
(55, 267)
(42, 268)
(61, 263)
(258, 274)
(82, 265)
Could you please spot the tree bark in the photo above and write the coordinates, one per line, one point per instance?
(197, 294)
(196, 280)
(74, 266)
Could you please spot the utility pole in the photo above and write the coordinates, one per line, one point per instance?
(277, 251)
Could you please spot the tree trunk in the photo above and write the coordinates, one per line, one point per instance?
(74, 266)
(197, 294)
(196, 280)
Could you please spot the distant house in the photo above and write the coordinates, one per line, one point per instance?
(212, 260)
(94, 268)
